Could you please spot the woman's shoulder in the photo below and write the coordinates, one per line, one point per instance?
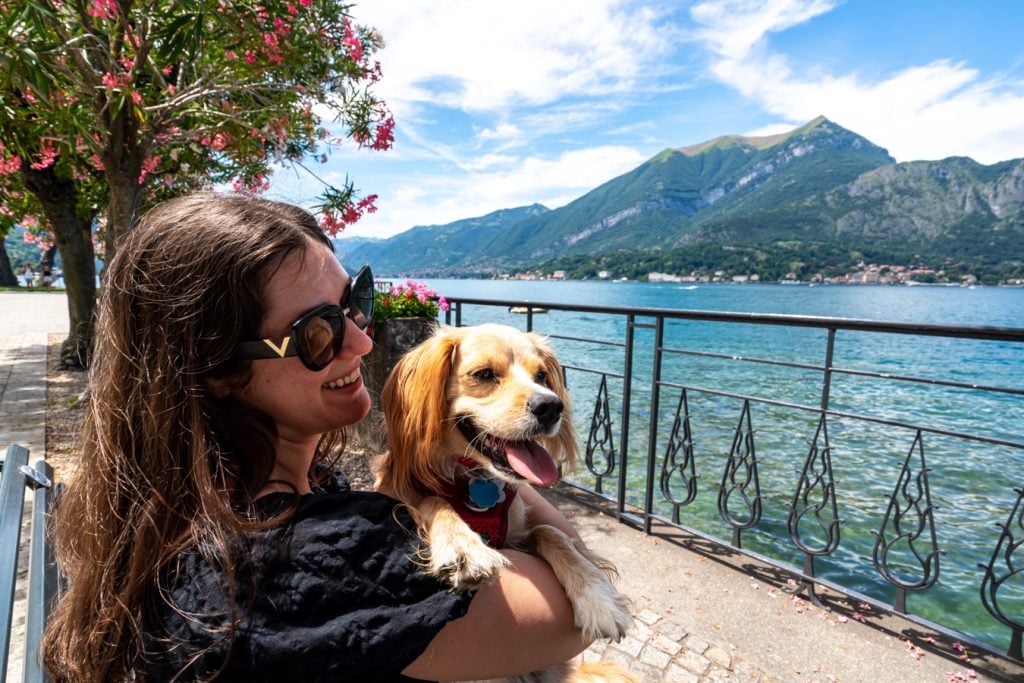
(367, 535)
(342, 570)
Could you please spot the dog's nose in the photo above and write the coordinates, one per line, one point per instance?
(546, 408)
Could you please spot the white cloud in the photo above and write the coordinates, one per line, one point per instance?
(505, 135)
(484, 56)
(435, 199)
(734, 27)
(490, 161)
(925, 111)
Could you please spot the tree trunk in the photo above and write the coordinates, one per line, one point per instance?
(123, 168)
(47, 261)
(73, 237)
(125, 194)
(7, 275)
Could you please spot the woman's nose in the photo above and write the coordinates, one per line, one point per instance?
(357, 342)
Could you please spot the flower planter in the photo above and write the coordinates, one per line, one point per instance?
(392, 339)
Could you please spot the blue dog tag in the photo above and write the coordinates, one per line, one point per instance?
(484, 493)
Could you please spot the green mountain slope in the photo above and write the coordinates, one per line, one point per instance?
(819, 196)
(434, 249)
(660, 202)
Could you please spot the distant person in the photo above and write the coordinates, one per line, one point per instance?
(47, 275)
(28, 276)
(205, 532)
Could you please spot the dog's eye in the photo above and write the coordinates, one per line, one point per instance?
(541, 377)
(484, 375)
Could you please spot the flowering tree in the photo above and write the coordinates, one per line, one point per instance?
(127, 102)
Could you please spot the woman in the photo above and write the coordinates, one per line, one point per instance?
(204, 533)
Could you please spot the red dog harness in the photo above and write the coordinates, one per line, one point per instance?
(483, 503)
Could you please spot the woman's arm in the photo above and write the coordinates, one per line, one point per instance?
(540, 511)
(521, 623)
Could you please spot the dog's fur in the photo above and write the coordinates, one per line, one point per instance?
(483, 399)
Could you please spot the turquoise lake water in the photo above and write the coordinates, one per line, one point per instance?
(972, 484)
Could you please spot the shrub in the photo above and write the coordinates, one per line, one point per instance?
(411, 299)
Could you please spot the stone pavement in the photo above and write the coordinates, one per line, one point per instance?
(702, 613)
(25, 321)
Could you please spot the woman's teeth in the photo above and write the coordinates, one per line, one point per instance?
(347, 379)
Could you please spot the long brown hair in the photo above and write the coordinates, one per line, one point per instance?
(164, 464)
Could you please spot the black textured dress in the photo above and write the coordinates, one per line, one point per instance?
(332, 596)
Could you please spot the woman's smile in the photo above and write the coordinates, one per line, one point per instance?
(345, 382)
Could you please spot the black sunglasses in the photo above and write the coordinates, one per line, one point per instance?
(318, 335)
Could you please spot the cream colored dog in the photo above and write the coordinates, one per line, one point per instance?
(472, 414)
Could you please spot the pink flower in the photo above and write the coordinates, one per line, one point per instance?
(109, 81)
(385, 136)
(47, 155)
(148, 166)
(367, 203)
(443, 303)
(355, 47)
(102, 9)
(330, 224)
(9, 165)
(41, 241)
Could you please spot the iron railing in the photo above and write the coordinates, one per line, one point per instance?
(889, 493)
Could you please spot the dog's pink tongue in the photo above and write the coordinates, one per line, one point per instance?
(530, 460)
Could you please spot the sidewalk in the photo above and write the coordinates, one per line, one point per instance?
(25, 321)
(702, 614)
(707, 614)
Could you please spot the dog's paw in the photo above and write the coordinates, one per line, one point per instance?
(602, 612)
(465, 562)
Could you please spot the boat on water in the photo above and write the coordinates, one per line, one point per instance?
(526, 309)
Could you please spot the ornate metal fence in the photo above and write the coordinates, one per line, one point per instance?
(859, 512)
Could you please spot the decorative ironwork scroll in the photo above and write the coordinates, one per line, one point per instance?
(908, 517)
(815, 499)
(600, 437)
(741, 486)
(1010, 541)
(682, 469)
(816, 495)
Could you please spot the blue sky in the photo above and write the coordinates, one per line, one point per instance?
(503, 104)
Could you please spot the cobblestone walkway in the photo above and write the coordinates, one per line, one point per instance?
(659, 648)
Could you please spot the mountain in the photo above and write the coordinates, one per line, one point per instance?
(432, 249)
(819, 188)
(661, 201)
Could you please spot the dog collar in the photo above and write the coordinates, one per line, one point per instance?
(483, 503)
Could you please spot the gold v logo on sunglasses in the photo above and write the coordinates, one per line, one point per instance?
(280, 350)
(318, 335)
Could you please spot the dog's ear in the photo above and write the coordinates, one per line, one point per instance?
(415, 407)
(564, 444)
